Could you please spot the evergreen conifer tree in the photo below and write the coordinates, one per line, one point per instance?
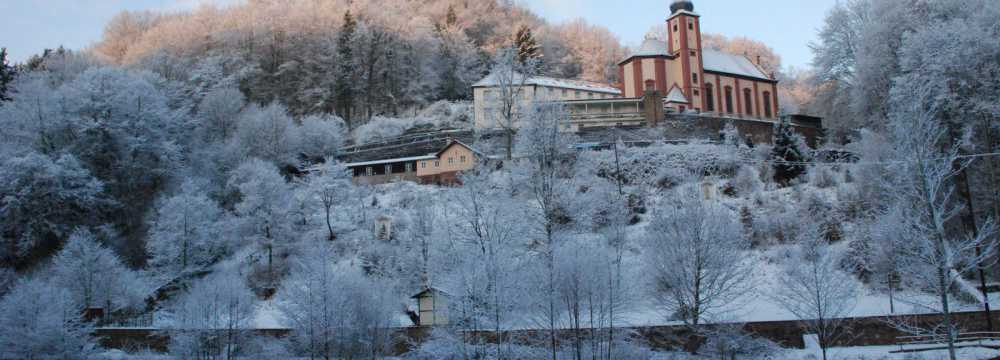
(527, 47)
(450, 85)
(787, 155)
(7, 73)
(344, 83)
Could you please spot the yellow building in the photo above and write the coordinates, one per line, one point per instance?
(439, 167)
(485, 95)
(698, 79)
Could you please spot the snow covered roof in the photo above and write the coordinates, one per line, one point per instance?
(457, 142)
(676, 96)
(713, 60)
(394, 160)
(649, 47)
(431, 289)
(722, 62)
(652, 47)
(490, 80)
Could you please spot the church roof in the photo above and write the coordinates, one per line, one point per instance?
(676, 96)
(718, 61)
(712, 60)
(651, 47)
(490, 80)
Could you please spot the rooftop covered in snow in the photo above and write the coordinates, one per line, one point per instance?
(490, 81)
(713, 60)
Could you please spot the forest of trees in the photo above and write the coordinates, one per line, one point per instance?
(357, 59)
(162, 172)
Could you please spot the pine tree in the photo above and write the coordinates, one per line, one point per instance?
(451, 19)
(450, 86)
(7, 73)
(344, 84)
(527, 47)
(786, 154)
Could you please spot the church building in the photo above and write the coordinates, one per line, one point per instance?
(692, 78)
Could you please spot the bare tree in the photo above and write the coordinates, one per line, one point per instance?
(934, 258)
(815, 290)
(507, 96)
(329, 185)
(696, 254)
(337, 312)
(545, 173)
(489, 249)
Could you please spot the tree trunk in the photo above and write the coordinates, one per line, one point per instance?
(329, 227)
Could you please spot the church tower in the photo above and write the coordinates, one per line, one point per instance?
(684, 42)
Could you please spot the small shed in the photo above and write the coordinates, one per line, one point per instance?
(432, 306)
(708, 190)
(383, 227)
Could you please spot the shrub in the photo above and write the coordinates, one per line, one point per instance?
(747, 181)
(823, 177)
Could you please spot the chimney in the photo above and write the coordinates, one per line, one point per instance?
(758, 60)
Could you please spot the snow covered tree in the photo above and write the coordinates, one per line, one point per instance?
(527, 47)
(788, 155)
(345, 80)
(42, 321)
(815, 290)
(336, 312)
(935, 258)
(7, 74)
(212, 318)
(459, 61)
(95, 276)
(266, 133)
(186, 231)
(546, 146)
(124, 136)
(44, 200)
(485, 258)
(219, 114)
(330, 185)
(510, 77)
(320, 136)
(263, 209)
(696, 253)
(422, 231)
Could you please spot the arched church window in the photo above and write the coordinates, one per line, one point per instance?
(729, 99)
(767, 104)
(748, 101)
(709, 98)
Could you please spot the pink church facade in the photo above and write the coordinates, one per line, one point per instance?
(692, 78)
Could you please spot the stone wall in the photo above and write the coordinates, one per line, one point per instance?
(863, 331)
(683, 127)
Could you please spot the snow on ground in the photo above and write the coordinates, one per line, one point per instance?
(884, 353)
(757, 306)
(267, 316)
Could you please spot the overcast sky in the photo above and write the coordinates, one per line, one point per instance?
(28, 26)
